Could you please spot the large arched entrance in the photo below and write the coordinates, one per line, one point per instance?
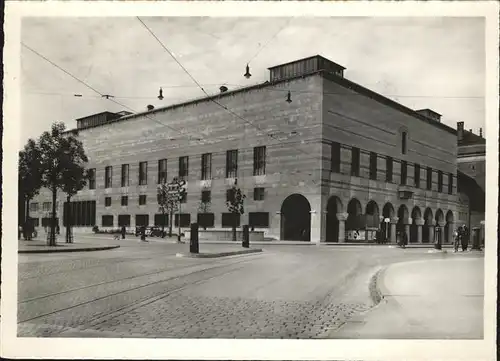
(296, 219)
(372, 215)
(354, 222)
(332, 223)
(388, 214)
(402, 218)
(448, 228)
(416, 215)
(429, 221)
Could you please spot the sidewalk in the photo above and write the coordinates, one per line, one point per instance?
(432, 299)
(38, 246)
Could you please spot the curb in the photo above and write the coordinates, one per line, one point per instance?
(375, 291)
(89, 249)
(216, 255)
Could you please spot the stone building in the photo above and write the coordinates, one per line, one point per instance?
(319, 157)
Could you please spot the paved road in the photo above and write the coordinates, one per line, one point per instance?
(143, 290)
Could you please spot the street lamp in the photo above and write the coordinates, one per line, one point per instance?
(386, 221)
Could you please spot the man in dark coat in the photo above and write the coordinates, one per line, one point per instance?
(123, 231)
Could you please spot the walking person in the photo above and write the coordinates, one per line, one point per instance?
(123, 231)
(465, 239)
(456, 239)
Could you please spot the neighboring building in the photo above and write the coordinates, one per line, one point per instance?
(338, 158)
(471, 178)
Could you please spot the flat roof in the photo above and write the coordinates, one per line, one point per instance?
(341, 81)
(88, 116)
(308, 58)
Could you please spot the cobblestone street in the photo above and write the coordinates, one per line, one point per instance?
(144, 290)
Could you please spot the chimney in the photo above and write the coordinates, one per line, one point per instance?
(481, 132)
(460, 131)
(150, 107)
(223, 89)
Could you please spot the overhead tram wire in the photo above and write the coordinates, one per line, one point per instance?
(210, 97)
(98, 92)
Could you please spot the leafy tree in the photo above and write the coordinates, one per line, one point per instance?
(61, 156)
(74, 176)
(234, 204)
(29, 173)
(168, 203)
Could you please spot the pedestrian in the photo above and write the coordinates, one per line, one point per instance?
(123, 232)
(465, 239)
(405, 239)
(143, 233)
(456, 238)
(58, 229)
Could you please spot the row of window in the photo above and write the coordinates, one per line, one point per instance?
(46, 206)
(259, 168)
(206, 196)
(255, 219)
(335, 162)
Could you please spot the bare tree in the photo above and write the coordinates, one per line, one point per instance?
(168, 203)
(204, 208)
(59, 152)
(235, 205)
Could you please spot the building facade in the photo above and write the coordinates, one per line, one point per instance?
(334, 163)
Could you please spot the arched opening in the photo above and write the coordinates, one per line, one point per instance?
(416, 215)
(439, 219)
(428, 221)
(355, 221)
(403, 216)
(448, 228)
(388, 214)
(372, 215)
(333, 207)
(296, 218)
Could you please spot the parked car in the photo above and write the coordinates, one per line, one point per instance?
(150, 231)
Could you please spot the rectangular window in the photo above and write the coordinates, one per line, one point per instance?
(143, 173)
(232, 163)
(125, 175)
(230, 219)
(47, 206)
(107, 202)
(355, 162)
(450, 183)
(206, 196)
(258, 194)
(36, 222)
(91, 175)
(404, 139)
(124, 220)
(206, 219)
(440, 181)
(183, 167)
(206, 166)
(142, 220)
(185, 220)
(429, 178)
(142, 199)
(388, 169)
(404, 172)
(335, 157)
(416, 176)
(108, 177)
(258, 219)
(124, 200)
(373, 165)
(229, 195)
(259, 160)
(107, 221)
(161, 219)
(34, 207)
(162, 171)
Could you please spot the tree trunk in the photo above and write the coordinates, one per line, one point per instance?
(163, 225)
(27, 211)
(52, 236)
(234, 233)
(68, 220)
(170, 224)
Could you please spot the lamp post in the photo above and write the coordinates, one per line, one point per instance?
(387, 227)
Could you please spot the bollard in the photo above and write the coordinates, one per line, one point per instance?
(194, 246)
(246, 237)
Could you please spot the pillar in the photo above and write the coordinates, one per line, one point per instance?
(449, 236)
(342, 217)
(431, 233)
(315, 235)
(324, 225)
(407, 228)
(394, 221)
(419, 222)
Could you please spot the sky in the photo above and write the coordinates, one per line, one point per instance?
(436, 63)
